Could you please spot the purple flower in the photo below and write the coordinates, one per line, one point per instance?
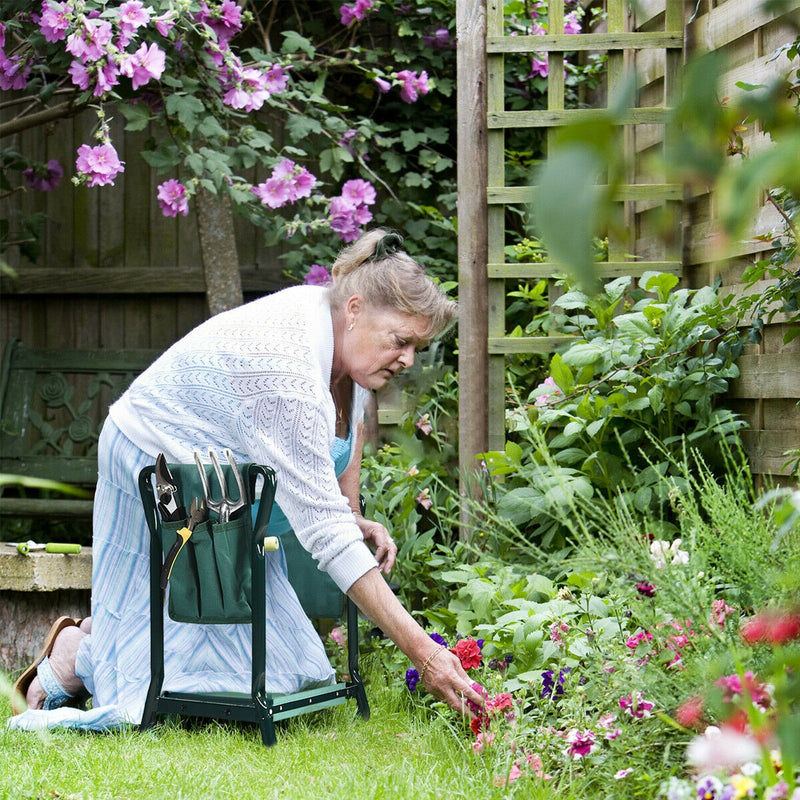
(383, 85)
(709, 788)
(317, 275)
(44, 177)
(549, 682)
(439, 639)
(439, 40)
(646, 589)
(172, 198)
(412, 679)
(14, 72)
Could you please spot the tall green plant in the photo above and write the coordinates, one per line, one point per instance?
(622, 402)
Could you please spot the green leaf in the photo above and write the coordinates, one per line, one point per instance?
(581, 355)
(633, 326)
(186, 108)
(656, 398)
(293, 41)
(412, 139)
(561, 374)
(300, 127)
(137, 115)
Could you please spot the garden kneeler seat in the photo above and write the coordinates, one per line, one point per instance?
(219, 577)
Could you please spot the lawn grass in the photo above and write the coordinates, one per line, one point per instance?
(401, 753)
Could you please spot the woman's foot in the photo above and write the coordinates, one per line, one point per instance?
(62, 663)
(50, 681)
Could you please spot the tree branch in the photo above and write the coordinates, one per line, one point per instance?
(61, 111)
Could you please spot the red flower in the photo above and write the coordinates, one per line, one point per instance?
(468, 652)
(772, 627)
(690, 712)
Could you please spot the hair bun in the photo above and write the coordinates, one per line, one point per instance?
(387, 245)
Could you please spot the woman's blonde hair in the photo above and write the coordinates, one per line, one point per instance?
(375, 267)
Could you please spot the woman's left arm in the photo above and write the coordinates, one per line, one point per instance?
(373, 532)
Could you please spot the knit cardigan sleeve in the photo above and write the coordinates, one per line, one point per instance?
(256, 379)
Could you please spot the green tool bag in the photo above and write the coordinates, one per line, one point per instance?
(211, 579)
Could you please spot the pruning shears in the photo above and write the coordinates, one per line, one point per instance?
(51, 547)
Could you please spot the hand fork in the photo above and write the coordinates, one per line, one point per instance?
(226, 505)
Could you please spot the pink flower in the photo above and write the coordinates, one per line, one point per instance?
(538, 67)
(413, 85)
(277, 78)
(79, 74)
(720, 610)
(54, 22)
(172, 198)
(165, 22)
(348, 14)
(571, 23)
(636, 705)
(132, 15)
(44, 177)
(606, 720)
(634, 641)
(359, 192)
(423, 424)
(424, 498)
(273, 192)
(144, 64)
(544, 399)
(90, 40)
(317, 275)
(581, 743)
(98, 165)
(772, 627)
(383, 85)
(623, 773)
(337, 636)
(482, 740)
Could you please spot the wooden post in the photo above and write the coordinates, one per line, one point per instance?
(472, 241)
(218, 248)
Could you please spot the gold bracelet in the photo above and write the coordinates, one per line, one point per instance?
(429, 660)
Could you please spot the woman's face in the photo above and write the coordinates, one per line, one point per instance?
(381, 343)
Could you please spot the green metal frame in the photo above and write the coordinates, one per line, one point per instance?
(259, 706)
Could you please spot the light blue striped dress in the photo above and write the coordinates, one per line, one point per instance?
(114, 660)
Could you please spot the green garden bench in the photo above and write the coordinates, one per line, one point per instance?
(52, 406)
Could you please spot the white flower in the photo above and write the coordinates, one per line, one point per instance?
(661, 550)
(722, 749)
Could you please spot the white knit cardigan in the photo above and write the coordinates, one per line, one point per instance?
(256, 379)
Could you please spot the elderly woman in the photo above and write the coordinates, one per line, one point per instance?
(281, 381)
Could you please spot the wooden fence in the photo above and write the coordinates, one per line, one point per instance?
(653, 37)
(114, 272)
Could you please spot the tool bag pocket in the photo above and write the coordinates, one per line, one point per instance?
(211, 578)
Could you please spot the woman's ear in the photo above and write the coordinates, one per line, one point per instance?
(353, 306)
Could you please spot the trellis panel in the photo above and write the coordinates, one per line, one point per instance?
(623, 42)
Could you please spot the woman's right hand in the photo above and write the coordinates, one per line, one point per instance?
(445, 679)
